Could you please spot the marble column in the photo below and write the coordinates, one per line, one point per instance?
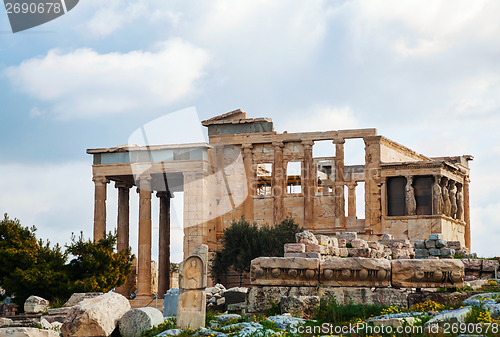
(144, 251)
(278, 181)
(123, 229)
(351, 199)
(248, 163)
(308, 185)
(164, 243)
(339, 183)
(100, 183)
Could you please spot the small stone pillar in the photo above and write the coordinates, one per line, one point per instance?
(191, 308)
(100, 183)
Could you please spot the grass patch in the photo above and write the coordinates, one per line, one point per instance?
(332, 312)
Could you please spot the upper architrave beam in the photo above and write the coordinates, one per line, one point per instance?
(269, 137)
(151, 167)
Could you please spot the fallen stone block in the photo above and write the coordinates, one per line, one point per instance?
(27, 332)
(489, 265)
(435, 252)
(342, 243)
(441, 273)
(96, 316)
(447, 252)
(355, 272)
(472, 264)
(136, 321)
(441, 243)
(323, 240)
(419, 244)
(344, 252)
(261, 299)
(359, 252)
(295, 248)
(303, 255)
(430, 244)
(421, 253)
(323, 250)
(436, 236)
(299, 305)
(454, 245)
(284, 271)
(306, 238)
(359, 243)
(348, 236)
(35, 305)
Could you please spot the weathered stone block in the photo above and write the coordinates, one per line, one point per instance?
(35, 305)
(284, 271)
(429, 244)
(342, 243)
(317, 249)
(436, 236)
(334, 242)
(419, 244)
(323, 240)
(306, 238)
(454, 245)
(441, 243)
(295, 248)
(136, 321)
(489, 265)
(299, 305)
(421, 253)
(96, 316)
(359, 243)
(435, 252)
(374, 245)
(27, 332)
(355, 272)
(472, 264)
(334, 251)
(447, 252)
(359, 252)
(304, 255)
(260, 298)
(349, 236)
(344, 252)
(443, 273)
(379, 296)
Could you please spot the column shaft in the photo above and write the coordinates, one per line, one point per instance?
(467, 214)
(164, 244)
(277, 182)
(351, 199)
(339, 183)
(248, 163)
(123, 230)
(100, 207)
(144, 251)
(308, 186)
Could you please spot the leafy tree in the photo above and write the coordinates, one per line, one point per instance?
(31, 267)
(242, 242)
(96, 266)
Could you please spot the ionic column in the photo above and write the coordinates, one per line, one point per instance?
(100, 183)
(248, 163)
(339, 183)
(164, 243)
(467, 213)
(123, 221)
(144, 251)
(277, 181)
(351, 199)
(308, 185)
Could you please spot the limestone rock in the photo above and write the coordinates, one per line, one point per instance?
(437, 236)
(454, 245)
(284, 271)
(299, 305)
(379, 296)
(261, 298)
(170, 332)
(342, 243)
(359, 243)
(323, 240)
(419, 244)
(35, 305)
(78, 297)
(134, 322)
(306, 238)
(359, 252)
(355, 272)
(453, 316)
(348, 236)
(489, 265)
(27, 332)
(472, 264)
(96, 316)
(443, 273)
(283, 322)
(5, 321)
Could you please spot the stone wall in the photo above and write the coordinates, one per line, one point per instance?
(436, 246)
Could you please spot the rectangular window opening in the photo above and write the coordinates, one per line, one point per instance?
(264, 177)
(294, 177)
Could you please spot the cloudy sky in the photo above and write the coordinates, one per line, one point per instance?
(426, 76)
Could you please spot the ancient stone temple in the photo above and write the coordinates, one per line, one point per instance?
(246, 170)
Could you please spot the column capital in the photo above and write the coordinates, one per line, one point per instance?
(351, 184)
(278, 145)
(100, 180)
(122, 184)
(247, 146)
(338, 141)
(307, 144)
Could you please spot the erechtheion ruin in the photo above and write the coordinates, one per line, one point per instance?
(243, 171)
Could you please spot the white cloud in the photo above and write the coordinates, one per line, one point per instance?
(86, 84)
(321, 118)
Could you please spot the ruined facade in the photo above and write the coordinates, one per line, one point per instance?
(244, 170)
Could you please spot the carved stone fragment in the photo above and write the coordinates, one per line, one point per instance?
(442, 273)
(355, 272)
(284, 271)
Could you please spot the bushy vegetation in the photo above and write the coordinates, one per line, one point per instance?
(329, 310)
(33, 267)
(242, 242)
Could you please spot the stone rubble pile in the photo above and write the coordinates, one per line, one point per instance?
(435, 246)
(221, 299)
(347, 244)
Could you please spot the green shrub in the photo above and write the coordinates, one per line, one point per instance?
(332, 312)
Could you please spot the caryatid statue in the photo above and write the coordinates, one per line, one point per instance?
(460, 203)
(453, 199)
(411, 203)
(437, 199)
(446, 196)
